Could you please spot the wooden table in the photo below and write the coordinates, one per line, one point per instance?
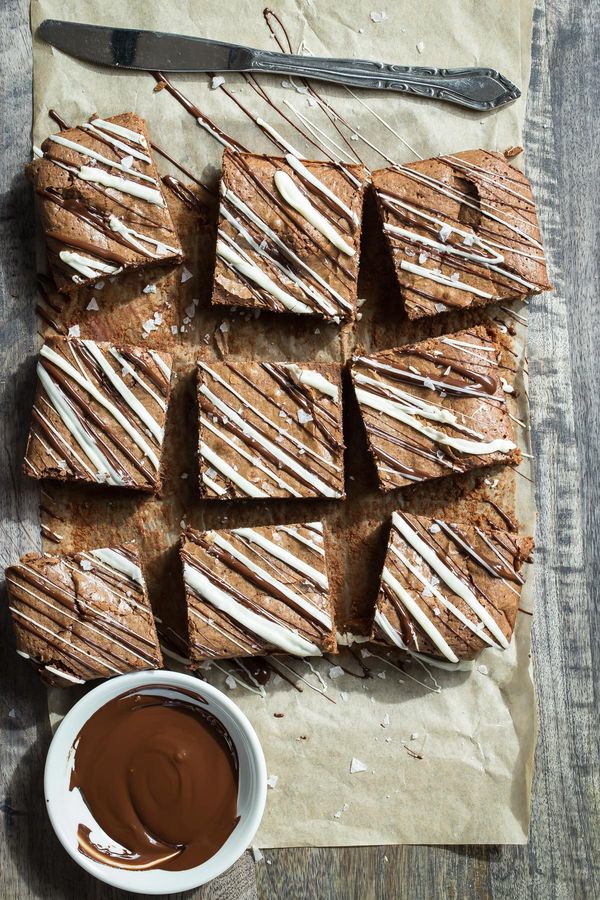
(563, 856)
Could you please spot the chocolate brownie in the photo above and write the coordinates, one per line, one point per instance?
(289, 235)
(99, 414)
(270, 430)
(102, 202)
(437, 407)
(449, 590)
(463, 231)
(256, 591)
(83, 616)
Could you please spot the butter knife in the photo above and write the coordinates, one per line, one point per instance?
(124, 48)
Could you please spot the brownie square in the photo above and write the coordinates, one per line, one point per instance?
(437, 407)
(99, 414)
(84, 615)
(102, 203)
(462, 230)
(270, 430)
(256, 591)
(449, 590)
(289, 235)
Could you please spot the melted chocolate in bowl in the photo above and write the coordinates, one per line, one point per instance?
(159, 775)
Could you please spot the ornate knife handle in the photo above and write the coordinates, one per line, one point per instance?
(475, 88)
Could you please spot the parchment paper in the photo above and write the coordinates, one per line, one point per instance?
(454, 763)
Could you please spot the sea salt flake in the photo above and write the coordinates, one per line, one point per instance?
(434, 528)
(420, 46)
(99, 286)
(445, 232)
(506, 387)
(378, 16)
(364, 652)
(304, 417)
(344, 696)
(185, 275)
(74, 331)
(385, 721)
(127, 162)
(414, 736)
(149, 289)
(174, 329)
(224, 327)
(216, 81)
(231, 682)
(149, 325)
(483, 670)
(469, 240)
(455, 277)
(422, 258)
(272, 781)
(381, 675)
(357, 766)
(428, 383)
(85, 565)
(336, 672)
(258, 856)
(93, 305)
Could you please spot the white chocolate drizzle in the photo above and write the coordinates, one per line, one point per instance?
(283, 638)
(295, 198)
(98, 157)
(125, 185)
(89, 268)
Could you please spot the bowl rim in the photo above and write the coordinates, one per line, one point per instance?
(71, 724)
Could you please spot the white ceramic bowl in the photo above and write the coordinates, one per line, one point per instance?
(67, 811)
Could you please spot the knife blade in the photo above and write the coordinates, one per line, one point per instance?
(124, 48)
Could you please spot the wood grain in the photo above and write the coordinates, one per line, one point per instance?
(562, 859)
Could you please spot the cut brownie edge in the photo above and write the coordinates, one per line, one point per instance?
(83, 616)
(102, 203)
(462, 230)
(99, 414)
(289, 235)
(436, 408)
(257, 591)
(449, 590)
(270, 430)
